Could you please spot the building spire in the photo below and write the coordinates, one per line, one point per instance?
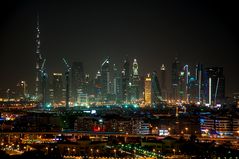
(38, 58)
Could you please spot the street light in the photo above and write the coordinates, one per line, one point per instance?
(174, 151)
(115, 152)
(91, 151)
(97, 151)
(134, 153)
(169, 129)
(186, 130)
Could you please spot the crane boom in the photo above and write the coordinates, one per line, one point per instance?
(68, 68)
(43, 65)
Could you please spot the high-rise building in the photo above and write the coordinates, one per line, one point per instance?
(175, 78)
(98, 86)
(162, 79)
(135, 82)
(117, 85)
(200, 84)
(57, 86)
(185, 83)
(125, 80)
(156, 90)
(22, 90)
(135, 68)
(77, 80)
(39, 61)
(181, 86)
(105, 76)
(148, 90)
(192, 89)
(214, 85)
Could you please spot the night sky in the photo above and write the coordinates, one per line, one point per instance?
(88, 31)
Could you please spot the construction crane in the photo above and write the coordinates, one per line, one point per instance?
(67, 72)
(43, 82)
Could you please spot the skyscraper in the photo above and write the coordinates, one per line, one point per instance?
(77, 80)
(175, 78)
(117, 84)
(147, 90)
(162, 79)
(57, 86)
(215, 85)
(39, 61)
(125, 80)
(156, 90)
(105, 75)
(200, 84)
(185, 83)
(135, 82)
(21, 90)
(98, 86)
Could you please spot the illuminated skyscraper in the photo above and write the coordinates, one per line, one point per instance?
(125, 80)
(77, 80)
(22, 90)
(215, 85)
(156, 90)
(98, 85)
(185, 84)
(135, 68)
(200, 85)
(162, 79)
(57, 86)
(148, 90)
(117, 84)
(105, 75)
(39, 61)
(175, 78)
(135, 82)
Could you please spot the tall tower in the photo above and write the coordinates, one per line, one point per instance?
(38, 60)
(117, 84)
(156, 90)
(125, 79)
(98, 86)
(135, 68)
(57, 85)
(147, 90)
(200, 84)
(215, 85)
(175, 78)
(105, 74)
(77, 80)
(162, 79)
(135, 81)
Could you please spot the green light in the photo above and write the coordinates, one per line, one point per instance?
(48, 105)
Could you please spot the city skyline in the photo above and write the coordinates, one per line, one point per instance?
(89, 34)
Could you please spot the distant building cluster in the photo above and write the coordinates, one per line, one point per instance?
(112, 85)
(202, 85)
(124, 84)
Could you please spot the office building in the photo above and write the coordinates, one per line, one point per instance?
(214, 85)
(77, 80)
